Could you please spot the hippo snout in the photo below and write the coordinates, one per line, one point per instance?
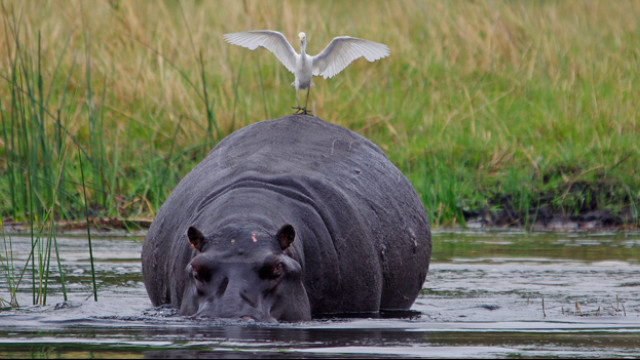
(246, 314)
(233, 300)
(253, 317)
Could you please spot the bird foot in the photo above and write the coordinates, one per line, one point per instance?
(300, 110)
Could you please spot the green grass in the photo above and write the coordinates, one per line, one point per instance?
(483, 105)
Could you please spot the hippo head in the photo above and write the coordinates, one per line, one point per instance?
(244, 274)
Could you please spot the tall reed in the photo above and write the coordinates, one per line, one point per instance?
(40, 181)
(86, 214)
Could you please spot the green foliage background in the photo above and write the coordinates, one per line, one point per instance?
(484, 105)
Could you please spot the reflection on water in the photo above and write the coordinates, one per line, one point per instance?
(483, 297)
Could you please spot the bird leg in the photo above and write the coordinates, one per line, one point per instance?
(300, 110)
(307, 101)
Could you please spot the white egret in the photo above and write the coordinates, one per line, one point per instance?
(340, 52)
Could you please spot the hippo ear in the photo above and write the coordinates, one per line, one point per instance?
(285, 236)
(196, 239)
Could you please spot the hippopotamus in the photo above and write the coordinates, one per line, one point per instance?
(286, 220)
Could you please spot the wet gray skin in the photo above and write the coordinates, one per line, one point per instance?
(358, 239)
(250, 280)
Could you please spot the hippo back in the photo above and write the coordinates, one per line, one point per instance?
(362, 234)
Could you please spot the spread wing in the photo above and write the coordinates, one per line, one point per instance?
(343, 50)
(271, 40)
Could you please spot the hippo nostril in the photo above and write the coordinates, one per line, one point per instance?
(247, 300)
(223, 286)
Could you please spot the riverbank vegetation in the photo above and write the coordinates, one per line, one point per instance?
(501, 112)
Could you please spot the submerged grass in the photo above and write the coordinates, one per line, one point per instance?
(525, 107)
(38, 262)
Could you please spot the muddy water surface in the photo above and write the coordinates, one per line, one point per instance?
(488, 294)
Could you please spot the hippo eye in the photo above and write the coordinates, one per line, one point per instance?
(201, 274)
(272, 271)
(202, 268)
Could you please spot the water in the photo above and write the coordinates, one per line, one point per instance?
(483, 298)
